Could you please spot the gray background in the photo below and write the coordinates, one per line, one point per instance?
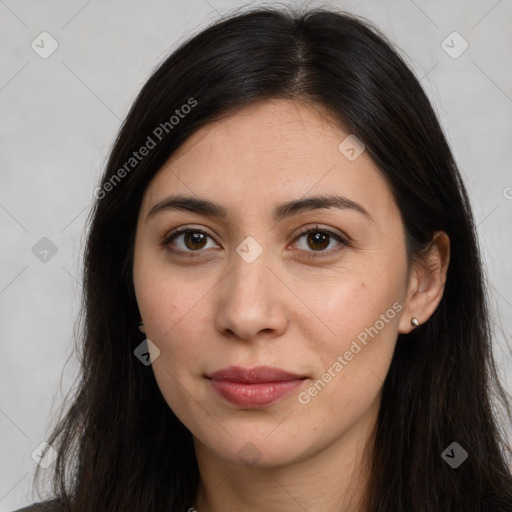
(59, 118)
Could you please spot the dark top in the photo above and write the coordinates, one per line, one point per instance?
(43, 506)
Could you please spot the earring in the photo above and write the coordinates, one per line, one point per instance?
(415, 321)
(141, 327)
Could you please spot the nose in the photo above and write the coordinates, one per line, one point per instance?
(251, 301)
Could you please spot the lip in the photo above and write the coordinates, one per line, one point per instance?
(254, 387)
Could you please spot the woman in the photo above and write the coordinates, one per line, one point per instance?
(282, 214)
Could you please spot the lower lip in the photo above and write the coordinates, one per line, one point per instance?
(254, 395)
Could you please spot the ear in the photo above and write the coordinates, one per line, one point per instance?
(426, 282)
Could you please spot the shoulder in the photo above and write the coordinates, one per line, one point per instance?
(43, 506)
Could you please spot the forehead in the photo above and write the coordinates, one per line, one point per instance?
(271, 151)
(282, 131)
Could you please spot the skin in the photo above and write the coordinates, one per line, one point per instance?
(208, 308)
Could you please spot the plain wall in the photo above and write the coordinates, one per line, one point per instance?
(59, 117)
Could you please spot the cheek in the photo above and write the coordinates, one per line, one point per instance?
(340, 308)
(352, 337)
(174, 319)
(165, 296)
(176, 315)
(352, 366)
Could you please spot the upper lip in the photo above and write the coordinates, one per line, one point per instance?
(254, 375)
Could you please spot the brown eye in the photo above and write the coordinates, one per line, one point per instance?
(194, 240)
(187, 240)
(317, 242)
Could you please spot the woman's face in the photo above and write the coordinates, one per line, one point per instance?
(245, 287)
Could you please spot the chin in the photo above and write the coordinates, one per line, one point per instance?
(264, 450)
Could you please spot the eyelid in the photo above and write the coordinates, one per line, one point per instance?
(186, 228)
(325, 229)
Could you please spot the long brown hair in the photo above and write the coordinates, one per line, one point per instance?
(120, 447)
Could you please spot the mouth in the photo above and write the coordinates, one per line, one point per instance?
(254, 387)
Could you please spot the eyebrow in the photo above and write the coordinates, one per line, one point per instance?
(210, 209)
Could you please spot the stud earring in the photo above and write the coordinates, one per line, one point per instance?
(415, 321)
(141, 327)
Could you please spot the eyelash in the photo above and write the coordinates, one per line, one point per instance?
(308, 254)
